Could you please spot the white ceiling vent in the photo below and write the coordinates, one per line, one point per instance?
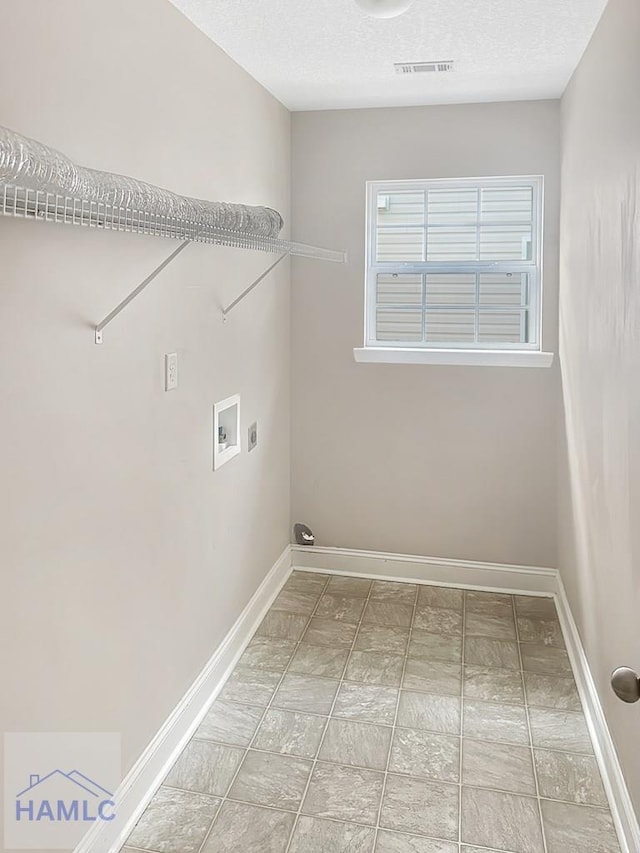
(423, 67)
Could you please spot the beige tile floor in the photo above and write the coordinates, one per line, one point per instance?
(377, 716)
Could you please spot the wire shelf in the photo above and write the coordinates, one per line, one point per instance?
(45, 206)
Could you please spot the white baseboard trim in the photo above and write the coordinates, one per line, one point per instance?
(617, 792)
(145, 776)
(498, 578)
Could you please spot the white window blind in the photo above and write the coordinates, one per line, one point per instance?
(454, 263)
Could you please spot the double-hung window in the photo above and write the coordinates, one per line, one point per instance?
(454, 265)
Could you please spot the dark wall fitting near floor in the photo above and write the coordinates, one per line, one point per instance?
(125, 558)
(422, 459)
(600, 354)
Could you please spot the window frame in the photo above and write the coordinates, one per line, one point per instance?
(533, 267)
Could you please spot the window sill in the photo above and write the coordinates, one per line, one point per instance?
(495, 358)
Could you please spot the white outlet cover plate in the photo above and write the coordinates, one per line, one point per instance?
(171, 371)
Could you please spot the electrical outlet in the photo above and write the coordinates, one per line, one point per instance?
(253, 436)
(170, 371)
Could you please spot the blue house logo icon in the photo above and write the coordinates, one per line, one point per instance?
(61, 797)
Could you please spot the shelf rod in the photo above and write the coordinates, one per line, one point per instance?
(138, 290)
(255, 283)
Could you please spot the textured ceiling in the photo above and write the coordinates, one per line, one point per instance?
(325, 54)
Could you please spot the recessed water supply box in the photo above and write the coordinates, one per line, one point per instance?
(226, 430)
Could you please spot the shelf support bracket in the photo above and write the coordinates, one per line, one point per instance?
(247, 291)
(113, 314)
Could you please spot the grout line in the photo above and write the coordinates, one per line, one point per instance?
(464, 638)
(347, 823)
(428, 692)
(373, 724)
(540, 645)
(412, 657)
(430, 779)
(335, 699)
(395, 716)
(531, 749)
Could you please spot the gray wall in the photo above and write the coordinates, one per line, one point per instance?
(445, 461)
(125, 558)
(600, 352)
